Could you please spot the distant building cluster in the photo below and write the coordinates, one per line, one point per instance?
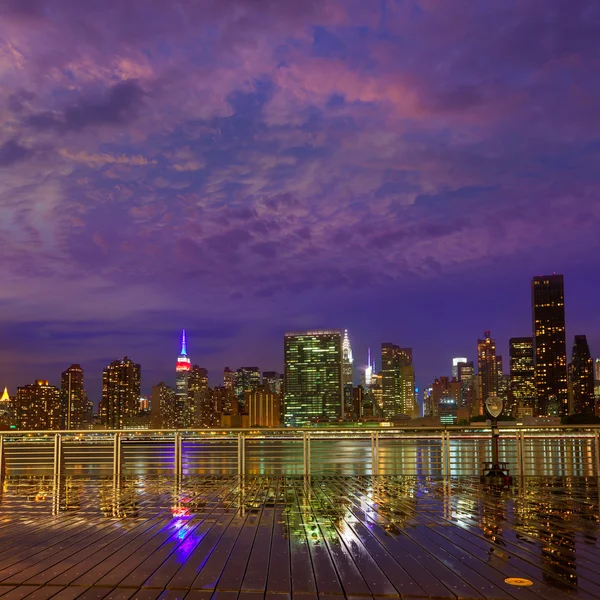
(318, 386)
(539, 382)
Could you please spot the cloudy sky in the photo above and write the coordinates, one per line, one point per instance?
(241, 168)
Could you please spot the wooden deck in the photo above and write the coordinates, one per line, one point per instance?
(306, 538)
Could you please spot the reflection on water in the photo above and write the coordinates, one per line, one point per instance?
(547, 527)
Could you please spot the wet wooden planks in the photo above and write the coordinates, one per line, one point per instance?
(294, 538)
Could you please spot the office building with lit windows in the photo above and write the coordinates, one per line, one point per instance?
(487, 366)
(313, 377)
(550, 346)
(398, 381)
(581, 376)
(522, 376)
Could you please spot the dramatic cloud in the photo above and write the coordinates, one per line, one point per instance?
(268, 165)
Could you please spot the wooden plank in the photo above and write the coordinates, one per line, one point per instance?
(19, 592)
(180, 568)
(101, 559)
(325, 574)
(255, 578)
(301, 568)
(233, 573)
(279, 580)
(40, 572)
(44, 593)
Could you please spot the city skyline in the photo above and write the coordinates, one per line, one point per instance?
(216, 374)
(241, 169)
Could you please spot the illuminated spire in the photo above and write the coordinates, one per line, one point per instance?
(346, 348)
(5, 396)
(183, 343)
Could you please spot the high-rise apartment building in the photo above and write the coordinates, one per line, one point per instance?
(74, 398)
(487, 366)
(582, 377)
(197, 380)
(313, 377)
(550, 347)
(468, 388)
(597, 370)
(120, 393)
(398, 381)
(39, 407)
(182, 370)
(522, 376)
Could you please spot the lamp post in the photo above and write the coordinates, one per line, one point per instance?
(495, 473)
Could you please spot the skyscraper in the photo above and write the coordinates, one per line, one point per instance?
(582, 377)
(348, 361)
(228, 378)
(597, 370)
(38, 407)
(120, 393)
(7, 414)
(550, 347)
(398, 381)
(313, 376)
(273, 381)
(165, 405)
(182, 369)
(522, 375)
(455, 363)
(487, 365)
(74, 398)
(263, 407)
(246, 379)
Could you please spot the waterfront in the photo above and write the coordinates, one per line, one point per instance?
(385, 536)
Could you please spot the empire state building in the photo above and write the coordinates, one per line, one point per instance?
(182, 370)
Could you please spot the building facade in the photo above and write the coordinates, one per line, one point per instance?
(581, 378)
(313, 377)
(522, 376)
(74, 398)
(182, 370)
(39, 407)
(246, 379)
(487, 366)
(120, 393)
(264, 407)
(7, 411)
(398, 381)
(273, 381)
(550, 347)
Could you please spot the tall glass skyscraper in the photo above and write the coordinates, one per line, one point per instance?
(487, 367)
(313, 377)
(550, 346)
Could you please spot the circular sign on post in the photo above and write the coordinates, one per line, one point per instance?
(494, 406)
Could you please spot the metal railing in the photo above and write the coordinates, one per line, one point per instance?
(428, 451)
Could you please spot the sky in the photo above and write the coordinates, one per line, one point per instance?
(243, 168)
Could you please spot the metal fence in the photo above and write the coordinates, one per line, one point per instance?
(443, 452)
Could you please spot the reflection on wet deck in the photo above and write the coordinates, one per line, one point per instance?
(361, 536)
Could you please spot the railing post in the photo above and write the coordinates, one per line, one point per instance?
(308, 453)
(377, 453)
(117, 461)
(2, 459)
(445, 453)
(178, 466)
(57, 454)
(523, 469)
(241, 455)
(597, 440)
(304, 454)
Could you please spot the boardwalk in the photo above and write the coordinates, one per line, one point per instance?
(306, 538)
